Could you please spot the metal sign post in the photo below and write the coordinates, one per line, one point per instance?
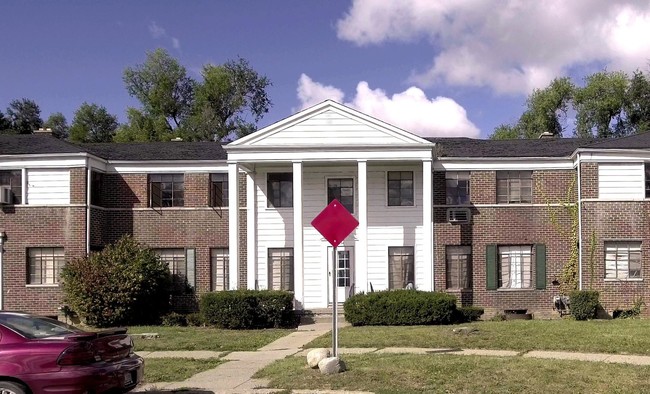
(335, 315)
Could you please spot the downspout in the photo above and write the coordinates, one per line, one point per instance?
(579, 225)
(88, 180)
(2, 251)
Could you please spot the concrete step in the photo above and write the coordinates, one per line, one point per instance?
(320, 315)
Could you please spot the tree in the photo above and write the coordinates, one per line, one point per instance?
(637, 105)
(141, 127)
(93, 123)
(25, 116)
(600, 105)
(123, 284)
(162, 86)
(59, 125)
(506, 132)
(5, 124)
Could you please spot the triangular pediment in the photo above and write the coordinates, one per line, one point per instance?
(329, 124)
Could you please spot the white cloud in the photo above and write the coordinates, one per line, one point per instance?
(158, 32)
(410, 110)
(511, 48)
(176, 43)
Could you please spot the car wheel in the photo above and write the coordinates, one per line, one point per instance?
(12, 388)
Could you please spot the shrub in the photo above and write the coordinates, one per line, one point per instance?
(400, 308)
(194, 319)
(584, 304)
(631, 313)
(467, 314)
(123, 284)
(174, 319)
(248, 309)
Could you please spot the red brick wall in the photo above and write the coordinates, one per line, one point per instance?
(589, 180)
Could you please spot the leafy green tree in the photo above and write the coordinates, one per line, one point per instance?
(637, 105)
(123, 284)
(5, 124)
(142, 127)
(600, 105)
(506, 132)
(93, 123)
(24, 115)
(162, 86)
(59, 125)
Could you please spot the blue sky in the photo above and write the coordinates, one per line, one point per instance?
(432, 67)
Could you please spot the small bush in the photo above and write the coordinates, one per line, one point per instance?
(174, 319)
(123, 284)
(194, 319)
(248, 309)
(631, 313)
(400, 308)
(584, 304)
(467, 314)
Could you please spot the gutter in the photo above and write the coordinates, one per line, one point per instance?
(580, 243)
(88, 182)
(2, 240)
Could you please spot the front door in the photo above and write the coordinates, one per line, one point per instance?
(345, 273)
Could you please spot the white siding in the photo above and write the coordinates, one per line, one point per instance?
(330, 128)
(621, 181)
(48, 187)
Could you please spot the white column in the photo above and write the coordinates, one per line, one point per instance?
(361, 254)
(427, 227)
(298, 262)
(251, 232)
(233, 225)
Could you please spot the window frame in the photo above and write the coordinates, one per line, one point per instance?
(285, 259)
(156, 199)
(400, 187)
(219, 255)
(404, 258)
(179, 285)
(629, 246)
(96, 186)
(457, 177)
(58, 261)
(453, 255)
(340, 189)
(219, 198)
(8, 178)
(511, 181)
(646, 168)
(283, 179)
(525, 251)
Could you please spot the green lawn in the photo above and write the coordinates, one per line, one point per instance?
(204, 338)
(175, 369)
(406, 373)
(597, 336)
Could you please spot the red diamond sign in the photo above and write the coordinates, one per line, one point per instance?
(335, 223)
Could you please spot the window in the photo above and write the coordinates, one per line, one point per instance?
(514, 187)
(457, 188)
(515, 267)
(401, 267)
(167, 190)
(647, 180)
(341, 189)
(281, 269)
(45, 265)
(219, 190)
(343, 268)
(400, 188)
(279, 188)
(622, 260)
(219, 261)
(13, 179)
(459, 267)
(181, 264)
(96, 183)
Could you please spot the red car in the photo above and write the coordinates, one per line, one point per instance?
(43, 355)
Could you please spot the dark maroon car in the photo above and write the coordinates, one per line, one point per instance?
(42, 355)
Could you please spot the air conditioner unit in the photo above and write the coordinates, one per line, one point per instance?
(458, 215)
(5, 195)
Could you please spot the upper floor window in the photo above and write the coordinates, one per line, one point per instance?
(622, 260)
(44, 265)
(400, 188)
(167, 190)
(647, 180)
(14, 180)
(341, 189)
(96, 184)
(514, 187)
(218, 190)
(401, 267)
(279, 188)
(459, 267)
(457, 187)
(515, 267)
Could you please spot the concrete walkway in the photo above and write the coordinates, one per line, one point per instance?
(235, 376)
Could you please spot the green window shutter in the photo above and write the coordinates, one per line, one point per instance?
(190, 256)
(540, 266)
(491, 267)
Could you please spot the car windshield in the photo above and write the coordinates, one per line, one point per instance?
(34, 327)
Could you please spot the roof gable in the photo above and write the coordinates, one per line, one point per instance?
(329, 124)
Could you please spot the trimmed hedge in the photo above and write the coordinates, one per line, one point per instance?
(584, 304)
(400, 308)
(248, 309)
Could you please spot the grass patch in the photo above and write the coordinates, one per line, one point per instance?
(204, 338)
(408, 373)
(175, 369)
(596, 336)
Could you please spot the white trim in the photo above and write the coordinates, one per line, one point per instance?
(482, 164)
(580, 239)
(156, 209)
(499, 205)
(251, 232)
(361, 250)
(88, 191)
(32, 163)
(2, 239)
(233, 226)
(427, 227)
(168, 167)
(288, 154)
(298, 255)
